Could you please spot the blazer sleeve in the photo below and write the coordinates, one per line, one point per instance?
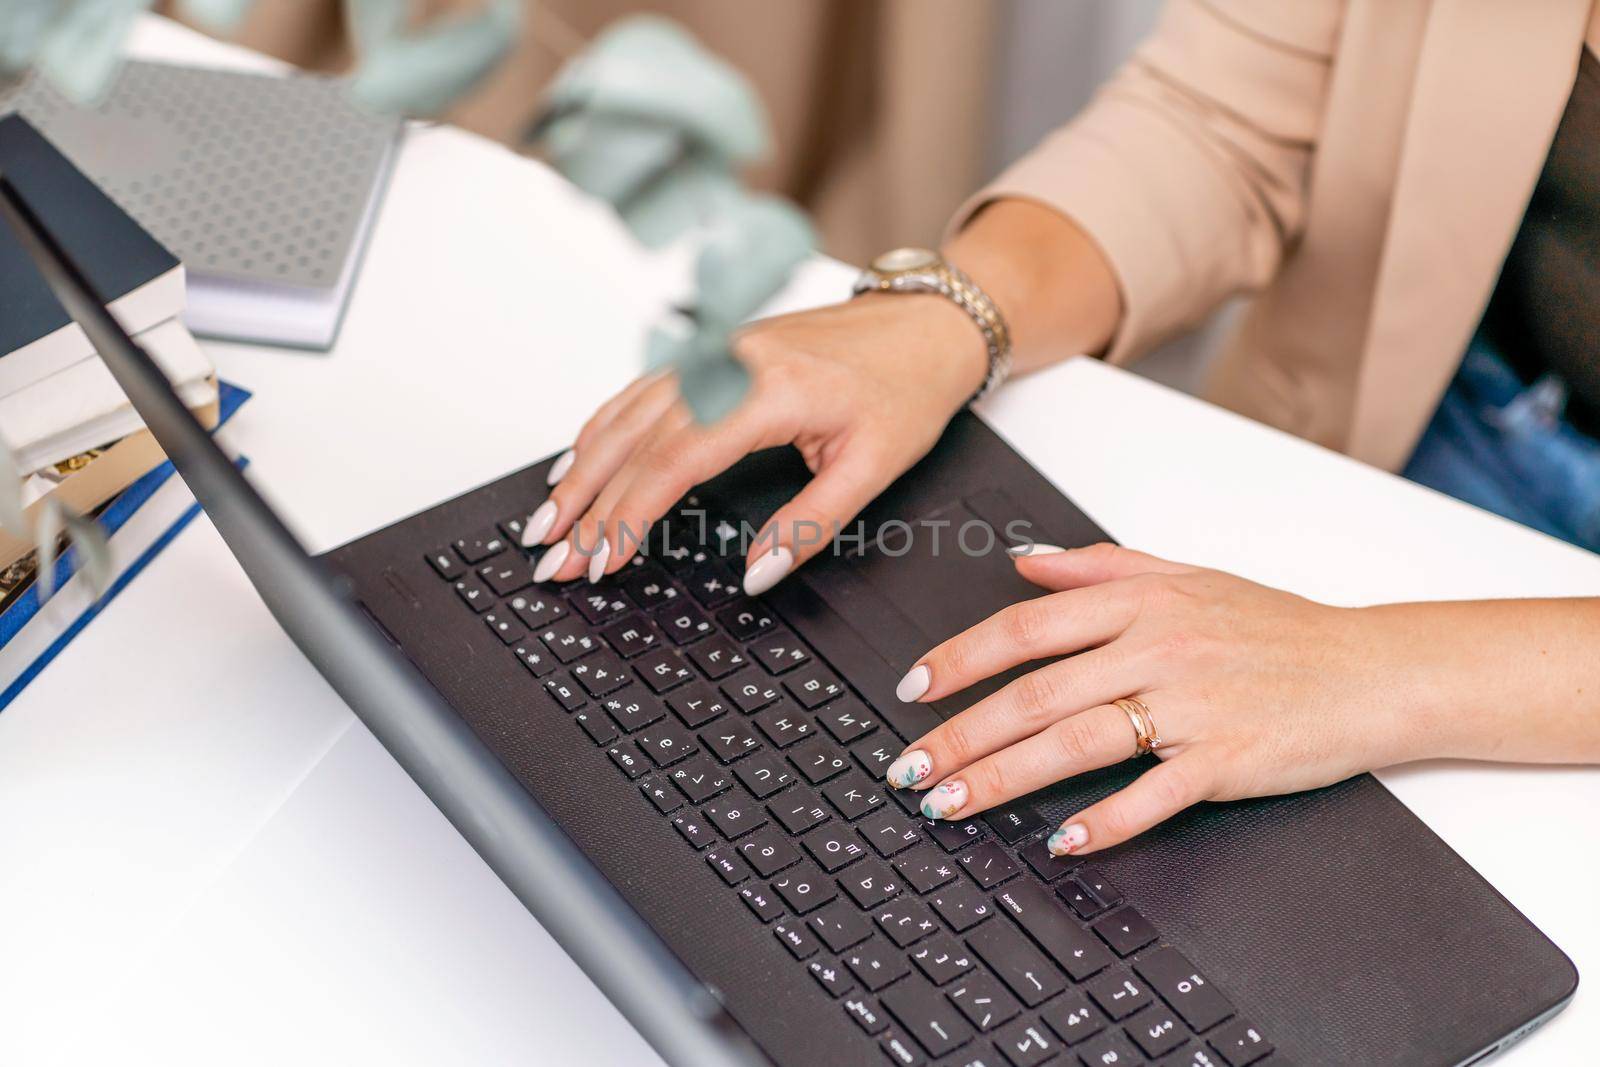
(1189, 169)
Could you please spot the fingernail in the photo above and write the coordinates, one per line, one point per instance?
(1033, 549)
(944, 800)
(538, 525)
(914, 684)
(559, 469)
(551, 561)
(597, 562)
(768, 571)
(1068, 839)
(911, 768)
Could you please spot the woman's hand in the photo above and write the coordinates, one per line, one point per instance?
(862, 389)
(1252, 691)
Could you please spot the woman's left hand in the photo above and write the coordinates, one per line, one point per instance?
(1252, 691)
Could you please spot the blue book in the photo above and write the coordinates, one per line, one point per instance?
(139, 522)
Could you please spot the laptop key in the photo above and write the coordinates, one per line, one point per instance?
(505, 626)
(1045, 920)
(535, 657)
(536, 610)
(629, 760)
(732, 739)
(601, 730)
(799, 811)
(962, 906)
(761, 901)
(735, 816)
(601, 674)
(831, 977)
(919, 1007)
(901, 1050)
(507, 575)
(768, 852)
(717, 657)
(1126, 931)
(869, 884)
(876, 964)
(475, 548)
(512, 526)
(694, 829)
(634, 711)
(728, 865)
(474, 594)
(853, 796)
(783, 726)
(712, 584)
(662, 794)
(942, 959)
(1073, 1018)
(866, 1014)
(1014, 821)
(662, 669)
(1181, 985)
(796, 938)
(925, 870)
(446, 564)
(813, 686)
(1118, 994)
(983, 1001)
(1156, 1031)
(568, 640)
(685, 623)
(700, 780)
(600, 605)
(1026, 1043)
(906, 921)
(1110, 1049)
(988, 864)
(875, 754)
(565, 692)
(650, 589)
(834, 847)
(1080, 899)
(745, 618)
(1044, 863)
(804, 888)
(847, 720)
(1193, 1056)
(666, 743)
(632, 636)
(1104, 893)
(696, 704)
(763, 774)
(1032, 977)
(778, 650)
(818, 761)
(889, 833)
(1240, 1044)
(749, 691)
(952, 835)
(839, 926)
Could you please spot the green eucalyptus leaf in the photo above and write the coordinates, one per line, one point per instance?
(82, 51)
(216, 14)
(713, 386)
(94, 552)
(12, 516)
(22, 31)
(749, 251)
(422, 72)
(46, 535)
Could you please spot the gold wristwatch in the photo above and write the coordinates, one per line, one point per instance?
(922, 270)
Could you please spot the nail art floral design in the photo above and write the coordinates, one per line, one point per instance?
(944, 800)
(1066, 839)
(912, 767)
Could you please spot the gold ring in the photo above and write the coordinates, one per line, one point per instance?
(1145, 738)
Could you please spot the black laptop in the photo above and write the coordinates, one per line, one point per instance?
(761, 895)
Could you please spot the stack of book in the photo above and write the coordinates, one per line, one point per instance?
(72, 434)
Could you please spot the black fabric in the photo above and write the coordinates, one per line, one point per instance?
(1544, 315)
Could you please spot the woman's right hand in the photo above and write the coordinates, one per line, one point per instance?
(861, 389)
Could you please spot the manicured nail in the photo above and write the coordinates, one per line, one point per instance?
(911, 768)
(597, 562)
(551, 561)
(914, 684)
(1068, 839)
(768, 571)
(559, 469)
(537, 528)
(1033, 549)
(944, 800)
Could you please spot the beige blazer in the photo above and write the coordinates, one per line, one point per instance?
(1361, 166)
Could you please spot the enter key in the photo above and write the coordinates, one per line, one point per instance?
(1058, 933)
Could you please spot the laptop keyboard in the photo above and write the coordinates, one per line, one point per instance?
(945, 943)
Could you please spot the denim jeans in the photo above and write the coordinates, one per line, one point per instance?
(1504, 446)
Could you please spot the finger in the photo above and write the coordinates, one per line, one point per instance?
(1055, 625)
(597, 457)
(801, 528)
(1023, 708)
(1074, 568)
(1097, 738)
(1155, 796)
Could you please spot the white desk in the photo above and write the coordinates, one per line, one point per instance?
(204, 858)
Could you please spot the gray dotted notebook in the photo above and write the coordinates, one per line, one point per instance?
(265, 187)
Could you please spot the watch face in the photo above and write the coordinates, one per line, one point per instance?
(904, 259)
